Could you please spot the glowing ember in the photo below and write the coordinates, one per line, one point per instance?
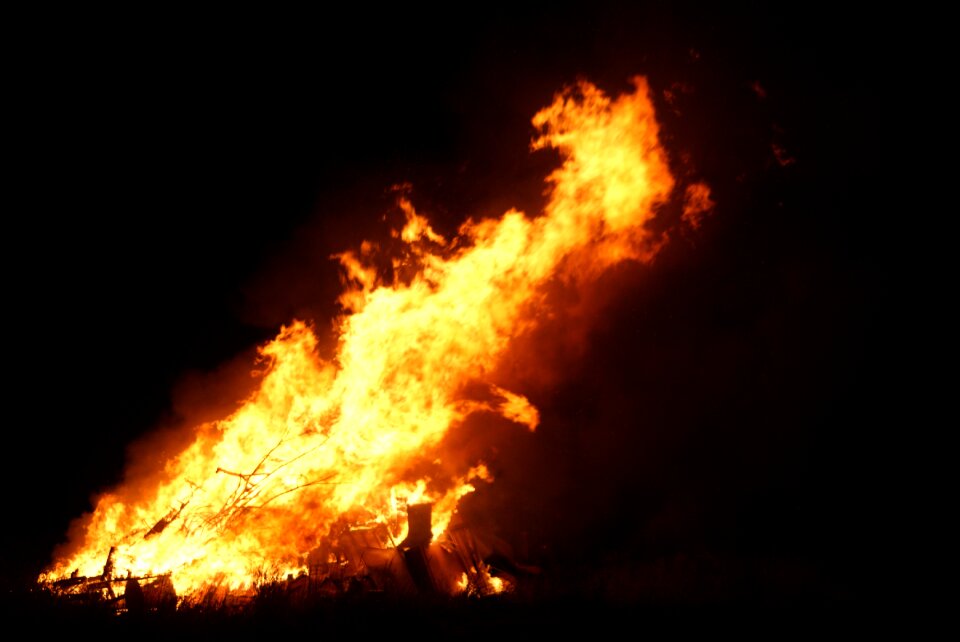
(355, 440)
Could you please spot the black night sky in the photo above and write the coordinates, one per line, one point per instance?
(179, 182)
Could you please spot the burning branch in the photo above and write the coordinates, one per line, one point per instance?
(248, 489)
(166, 521)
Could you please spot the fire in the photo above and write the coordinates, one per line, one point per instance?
(352, 441)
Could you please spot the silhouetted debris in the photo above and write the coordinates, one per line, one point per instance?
(349, 562)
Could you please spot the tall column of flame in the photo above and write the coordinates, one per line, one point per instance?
(323, 442)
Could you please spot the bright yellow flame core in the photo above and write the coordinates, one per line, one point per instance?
(348, 440)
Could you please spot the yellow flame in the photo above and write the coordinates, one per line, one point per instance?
(518, 408)
(355, 439)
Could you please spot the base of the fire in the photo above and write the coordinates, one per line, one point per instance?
(349, 563)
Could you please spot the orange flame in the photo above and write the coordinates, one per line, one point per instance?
(355, 439)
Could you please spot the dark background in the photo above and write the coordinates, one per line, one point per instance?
(179, 181)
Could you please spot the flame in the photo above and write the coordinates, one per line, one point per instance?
(355, 439)
(697, 204)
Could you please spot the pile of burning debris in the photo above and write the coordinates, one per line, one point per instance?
(349, 561)
(336, 465)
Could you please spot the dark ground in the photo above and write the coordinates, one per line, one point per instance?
(467, 620)
(179, 182)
